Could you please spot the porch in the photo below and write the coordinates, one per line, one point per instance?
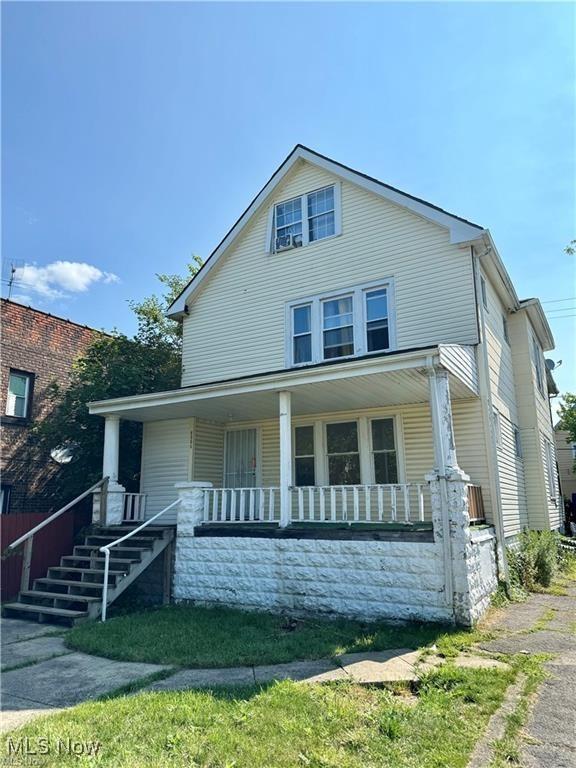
(331, 490)
(347, 444)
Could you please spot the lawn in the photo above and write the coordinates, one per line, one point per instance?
(286, 725)
(189, 636)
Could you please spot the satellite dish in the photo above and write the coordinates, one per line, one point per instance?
(64, 454)
(551, 365)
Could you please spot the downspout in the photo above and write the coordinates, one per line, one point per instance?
(487, 408)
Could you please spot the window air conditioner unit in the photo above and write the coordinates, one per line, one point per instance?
(285, 242)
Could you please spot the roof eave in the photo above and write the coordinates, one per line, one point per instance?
(461, 231)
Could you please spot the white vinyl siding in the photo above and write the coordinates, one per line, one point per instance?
(413, 439)
(242, 305)
(165, 461)
(534, 422)
(503, 390)
(208, 452)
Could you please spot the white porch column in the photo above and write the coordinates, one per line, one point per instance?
(442, 429)
(449, 497)
(115, 497)
(111, 448)
(285, 402)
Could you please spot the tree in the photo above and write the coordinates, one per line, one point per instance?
(114, 366)
(570, 248)
(568, 416)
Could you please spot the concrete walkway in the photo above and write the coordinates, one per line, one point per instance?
(545, 624)
(41, 676)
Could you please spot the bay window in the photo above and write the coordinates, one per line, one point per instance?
(330, 326)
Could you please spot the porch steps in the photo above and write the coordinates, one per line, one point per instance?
(72, 591)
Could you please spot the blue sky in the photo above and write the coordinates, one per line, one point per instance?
(133, 135)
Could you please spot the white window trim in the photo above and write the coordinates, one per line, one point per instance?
(11, 398)
(306, 242)
(360, 322)
(539, 374)
(550, 459)
(367, 473)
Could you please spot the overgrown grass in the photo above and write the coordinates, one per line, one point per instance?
(189, 636)
(286, 725)
(507, 748)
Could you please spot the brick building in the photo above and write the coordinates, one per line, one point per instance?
(37, 348)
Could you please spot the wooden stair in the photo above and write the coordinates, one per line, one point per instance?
(72, 591)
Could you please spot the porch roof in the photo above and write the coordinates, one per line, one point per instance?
(392, 379)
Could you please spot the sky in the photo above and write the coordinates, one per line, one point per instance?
(134, 134)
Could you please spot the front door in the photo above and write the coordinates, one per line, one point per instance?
(240, 460)
(240, 472)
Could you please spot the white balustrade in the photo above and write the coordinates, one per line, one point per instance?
(399, 503)
(241, 505)
(134, 507)
(402, 503)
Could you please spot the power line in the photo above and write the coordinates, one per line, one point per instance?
(555, 301)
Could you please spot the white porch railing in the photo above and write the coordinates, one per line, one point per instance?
(401, 503)
(134, 507)
(359, 503)
(241, 505)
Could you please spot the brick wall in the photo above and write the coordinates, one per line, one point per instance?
(45, 346)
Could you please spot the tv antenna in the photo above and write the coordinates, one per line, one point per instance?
(10, 276)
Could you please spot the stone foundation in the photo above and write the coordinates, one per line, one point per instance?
(367, 580)
(357, 579)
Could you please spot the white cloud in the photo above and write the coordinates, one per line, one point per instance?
(61, 278)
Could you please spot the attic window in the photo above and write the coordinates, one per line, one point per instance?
(305, 219)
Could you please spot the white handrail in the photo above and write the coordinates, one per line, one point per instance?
(107, 547)
(48, 520)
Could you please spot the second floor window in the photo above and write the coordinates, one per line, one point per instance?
(537, 359)
(338, 327)
(18, 399)
(329, 327)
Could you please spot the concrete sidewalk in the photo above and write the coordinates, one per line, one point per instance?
(41, 676)
(545, 624)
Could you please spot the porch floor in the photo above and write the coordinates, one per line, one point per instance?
(421, 532)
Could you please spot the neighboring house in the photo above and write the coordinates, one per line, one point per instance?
(566, 453)
(360, 383)
(37, 349)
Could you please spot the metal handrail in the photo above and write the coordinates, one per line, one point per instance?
(48, 520)
(28, 537)
(107, 547)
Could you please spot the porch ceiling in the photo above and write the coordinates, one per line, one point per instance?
(348, 386)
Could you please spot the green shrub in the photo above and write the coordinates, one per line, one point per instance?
(535, 560)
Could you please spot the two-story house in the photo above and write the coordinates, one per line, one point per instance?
(363, 419)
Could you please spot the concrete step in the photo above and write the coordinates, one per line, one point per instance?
(43, 611)
(120, 530)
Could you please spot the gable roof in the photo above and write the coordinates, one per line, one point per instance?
(461, 230)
